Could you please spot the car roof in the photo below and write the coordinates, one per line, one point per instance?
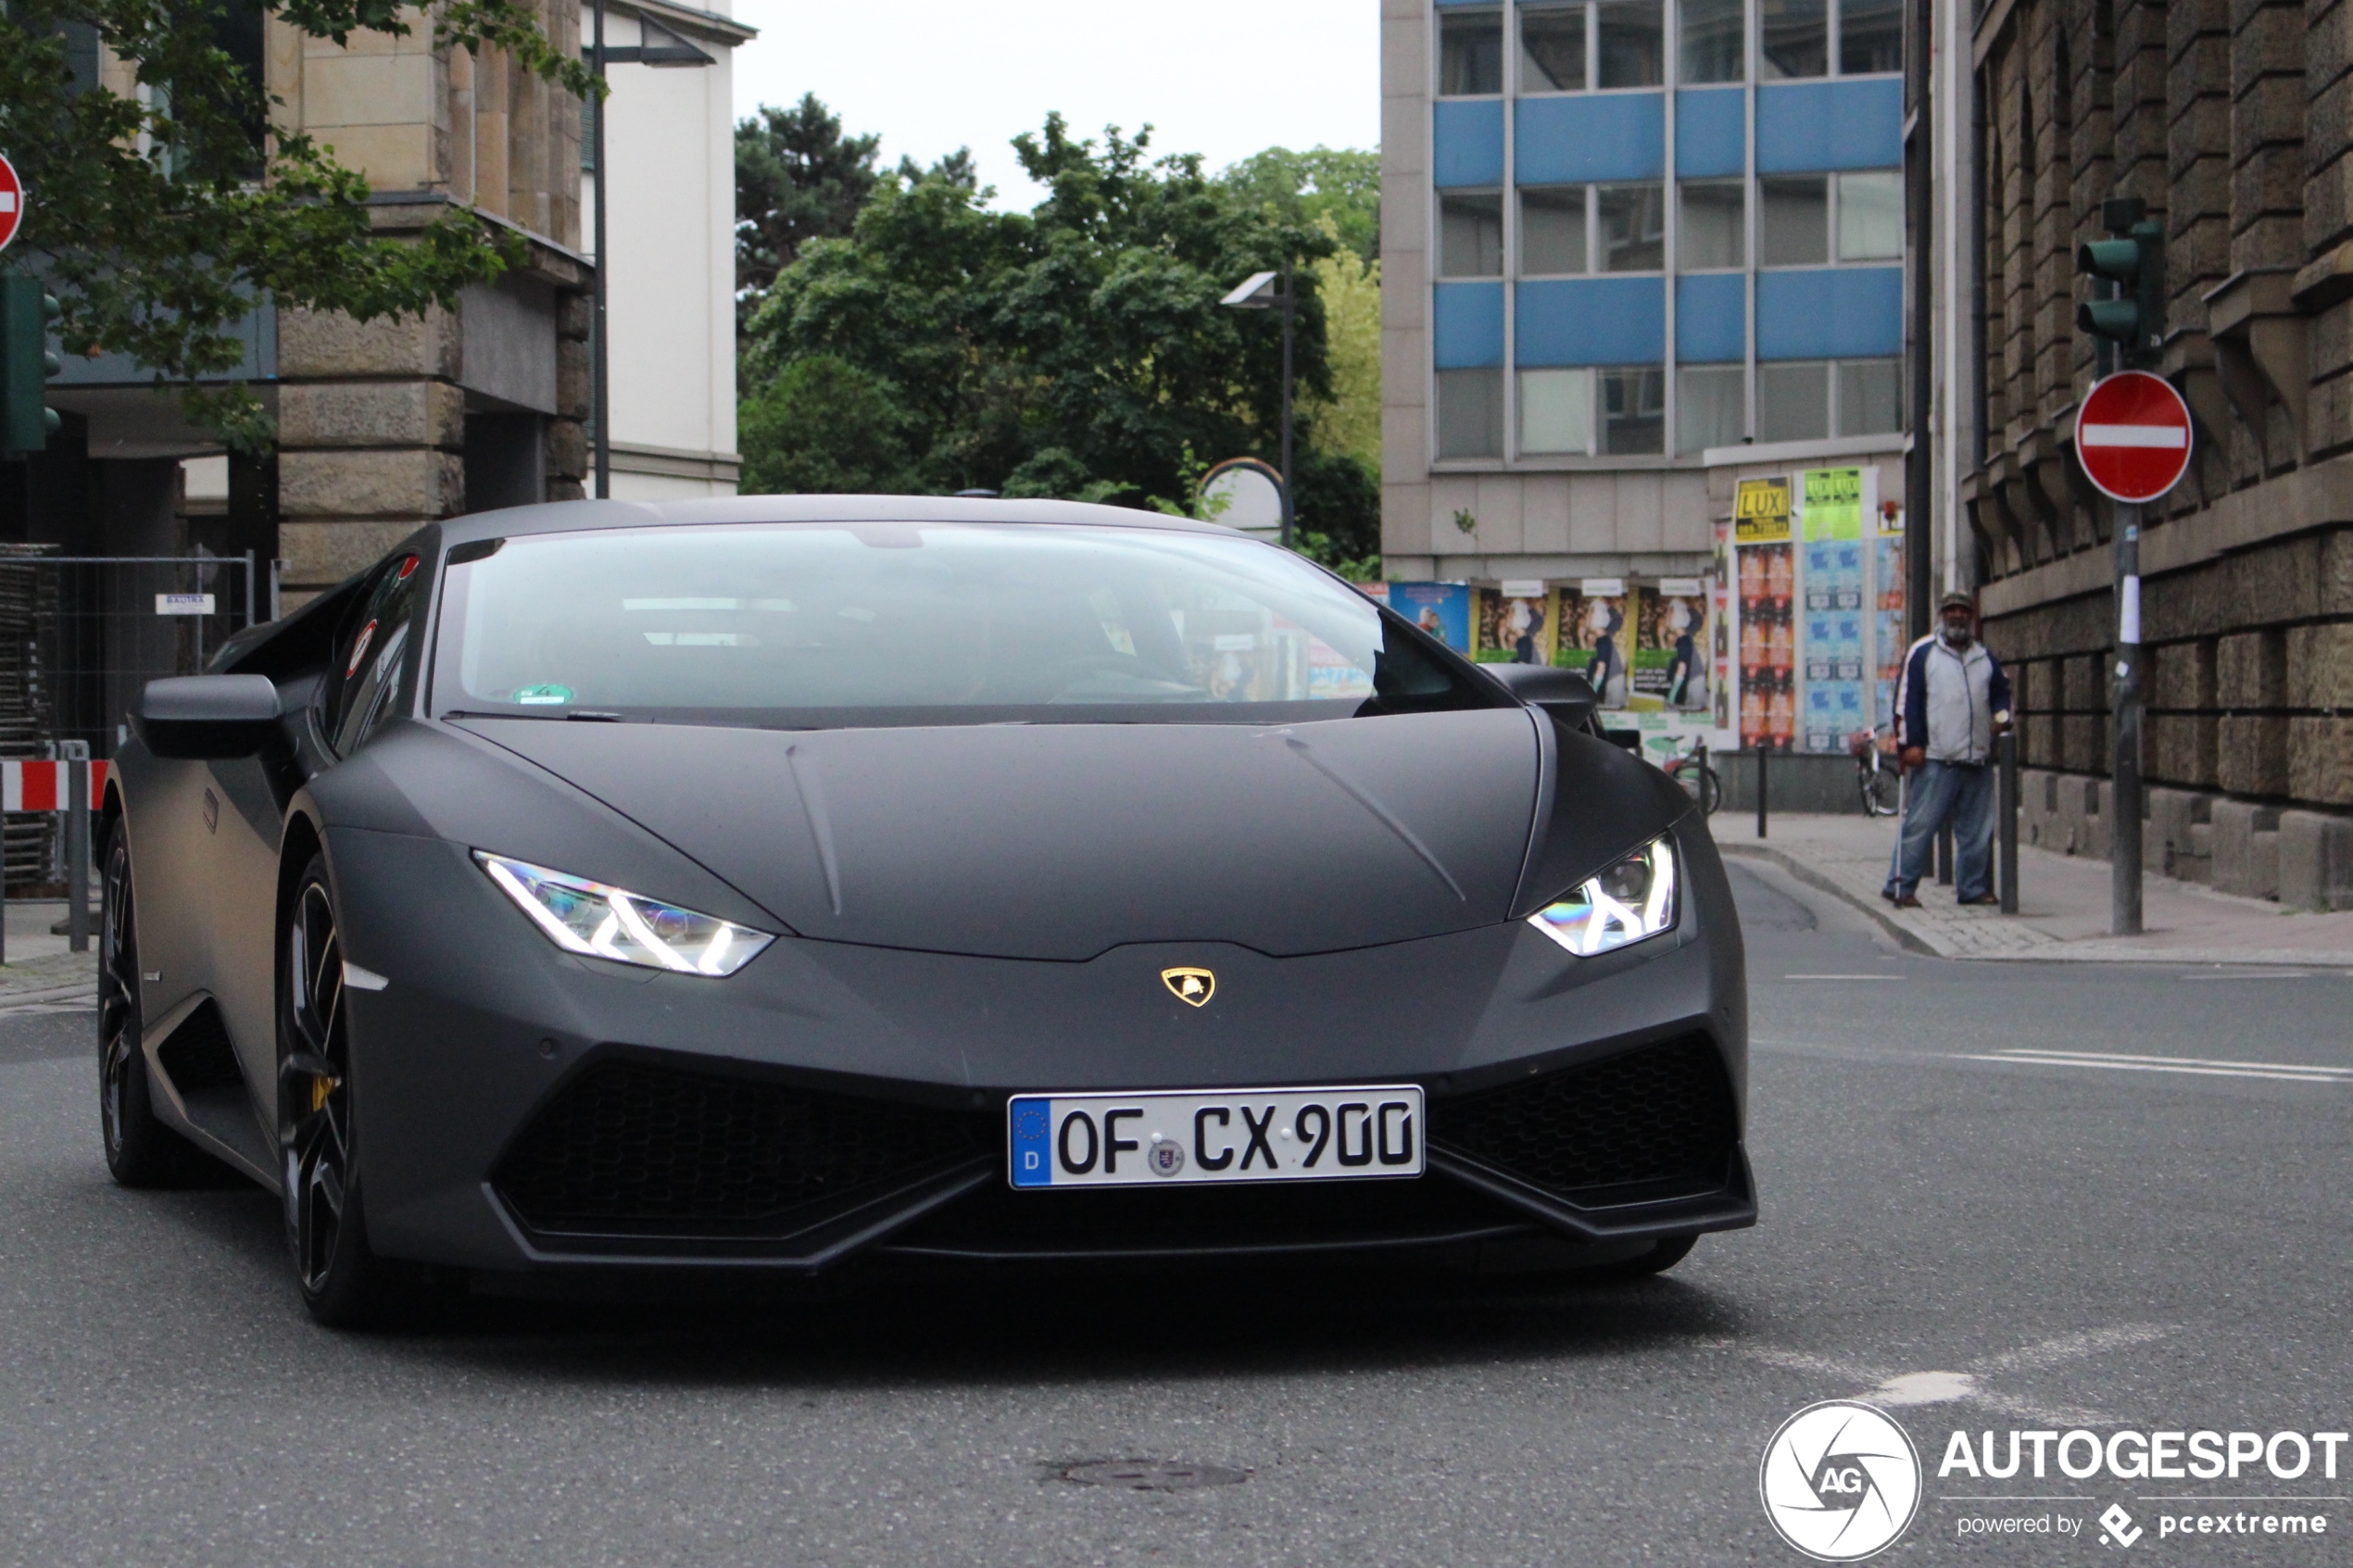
(556, 517)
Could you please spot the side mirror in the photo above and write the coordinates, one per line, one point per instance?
(207, 718)
(1564, 693)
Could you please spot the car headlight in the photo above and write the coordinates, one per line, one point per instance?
(1632, 899)
(589, 918)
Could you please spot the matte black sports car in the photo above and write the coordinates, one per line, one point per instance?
(743, 889)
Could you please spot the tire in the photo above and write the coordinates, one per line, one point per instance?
(1670, 1251)
(141, 1151)
(343, 1283)
(1881, 792)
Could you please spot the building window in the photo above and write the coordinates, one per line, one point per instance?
(1555, 411)
(1709, 406)
(1633, 410)
(1792, 400)
(1552, 49)
(1552, 230)
(1796, 210)
(1628, 42)
(1870, 36)
(1871, 216)
(1793, 38)
(1871, 399)
(1714, 228)
(1470, 234)
(1470, 53)
(1715, 41)
(1632, 227)
(1632, 36)
(1470, 413)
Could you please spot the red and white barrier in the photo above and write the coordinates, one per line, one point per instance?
(42, 786)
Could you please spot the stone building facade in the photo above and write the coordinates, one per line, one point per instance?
(2232, 120)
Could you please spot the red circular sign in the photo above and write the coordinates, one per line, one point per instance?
(11, 202)
(2132, 436)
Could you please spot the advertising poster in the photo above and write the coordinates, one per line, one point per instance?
(1761, 512)
(1442, 610)
(1721, 621)
(1767, 644)
(1888, 640)
(1595, 636)
(1832, 574)
(1515, 623)
(1669, 660)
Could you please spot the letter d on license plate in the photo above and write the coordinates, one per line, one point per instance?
(1169, 1138)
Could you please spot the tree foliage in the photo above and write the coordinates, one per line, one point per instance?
(159, 217)
(797, 178)
(1075, 350)
(1341, 184)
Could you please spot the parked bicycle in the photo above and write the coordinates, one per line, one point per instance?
(1690, 768)
(1877, 777)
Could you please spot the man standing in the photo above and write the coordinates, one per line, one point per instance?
(1951, 700)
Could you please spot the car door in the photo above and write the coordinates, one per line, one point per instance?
(361, 685)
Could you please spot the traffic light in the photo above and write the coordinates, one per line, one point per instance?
(26, 364)
(2133, 318)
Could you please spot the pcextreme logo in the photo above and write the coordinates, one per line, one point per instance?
(1840, 1481)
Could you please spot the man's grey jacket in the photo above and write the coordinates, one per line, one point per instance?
(1946, 699)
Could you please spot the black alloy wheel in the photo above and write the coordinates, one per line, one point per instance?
(141, 1151)
(343, 1282)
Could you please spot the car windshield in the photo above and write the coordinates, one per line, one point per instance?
(853, 624)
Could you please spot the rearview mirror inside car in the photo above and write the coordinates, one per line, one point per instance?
(1564, 693)
(207, 718)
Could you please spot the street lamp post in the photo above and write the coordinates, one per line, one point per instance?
(1258, 291)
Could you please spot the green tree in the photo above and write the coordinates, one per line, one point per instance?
(825, 427)
(1078, 348)
(797, 178)
(1338, 183)
(157, 218)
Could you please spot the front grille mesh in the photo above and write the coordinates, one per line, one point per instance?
(1658, 1114)
(630, 1147)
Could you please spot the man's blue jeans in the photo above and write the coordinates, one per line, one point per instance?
(1941, 792)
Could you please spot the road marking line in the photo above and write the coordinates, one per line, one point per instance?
(2125, 1061)
(2270, 974)
(1841, 977)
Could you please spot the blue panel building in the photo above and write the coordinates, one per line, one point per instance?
(1648, 231)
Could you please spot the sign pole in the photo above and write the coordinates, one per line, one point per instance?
(2124, 762)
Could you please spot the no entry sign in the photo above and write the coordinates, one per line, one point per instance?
(2133, 436)
(11, 202)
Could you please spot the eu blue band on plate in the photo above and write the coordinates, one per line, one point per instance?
(1032, 1167)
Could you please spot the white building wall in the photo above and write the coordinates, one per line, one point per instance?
(669, 152)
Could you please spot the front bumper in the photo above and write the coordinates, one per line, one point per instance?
(522, 1110)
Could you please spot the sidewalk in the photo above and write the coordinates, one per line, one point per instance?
(2063, 903)
(40, 968)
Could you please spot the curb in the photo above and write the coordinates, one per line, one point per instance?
(84, 990)
(1914, 941)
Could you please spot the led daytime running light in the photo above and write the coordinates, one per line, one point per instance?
(1634, 899)
(602, 922)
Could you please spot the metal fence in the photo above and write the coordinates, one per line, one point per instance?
(79, 636)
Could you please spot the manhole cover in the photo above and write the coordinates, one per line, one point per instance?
(1152, 1475)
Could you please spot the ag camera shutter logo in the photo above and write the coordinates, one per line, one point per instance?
(1840, 1481)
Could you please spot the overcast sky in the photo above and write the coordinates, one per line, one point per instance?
(1223, 77)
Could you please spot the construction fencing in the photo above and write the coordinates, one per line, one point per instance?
(79, 636)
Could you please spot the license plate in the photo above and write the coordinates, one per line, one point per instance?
(1209, 1136)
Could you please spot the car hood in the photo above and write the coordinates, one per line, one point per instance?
(1063, 841)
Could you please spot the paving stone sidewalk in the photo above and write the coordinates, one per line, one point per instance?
(2063, 904)
(50, 977)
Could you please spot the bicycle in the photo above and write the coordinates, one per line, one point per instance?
(1877, 778)
(1690, 768)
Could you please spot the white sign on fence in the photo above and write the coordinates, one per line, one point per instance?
(184, 604)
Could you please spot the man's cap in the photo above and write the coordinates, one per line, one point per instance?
(1955, 601)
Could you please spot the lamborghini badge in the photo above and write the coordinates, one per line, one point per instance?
(1191, 987)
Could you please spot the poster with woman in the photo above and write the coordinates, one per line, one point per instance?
(1767, 645)
(1515, 623)
(1596, 634)
(1669, 660)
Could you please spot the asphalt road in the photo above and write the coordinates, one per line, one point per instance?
(2100, 1241)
